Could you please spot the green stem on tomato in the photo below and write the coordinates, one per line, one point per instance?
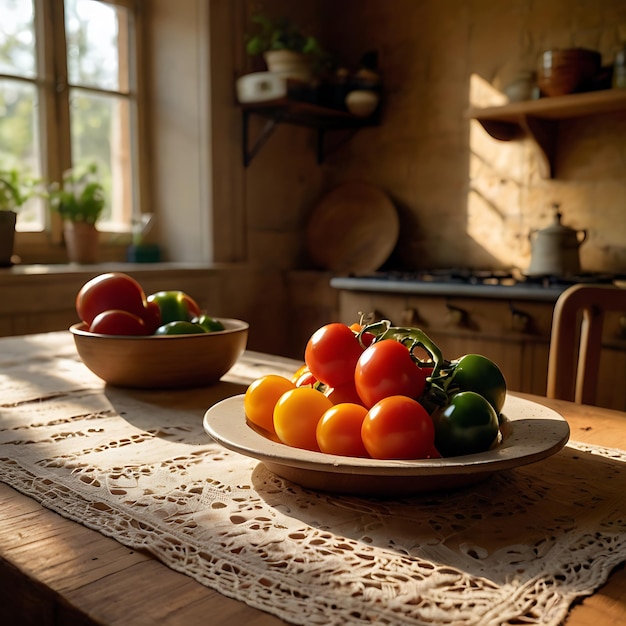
(435, 394)
(411, 337)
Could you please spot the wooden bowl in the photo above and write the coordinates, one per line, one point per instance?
(162, 362)
(568, 71)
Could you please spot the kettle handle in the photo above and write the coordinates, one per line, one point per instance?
(584, 236)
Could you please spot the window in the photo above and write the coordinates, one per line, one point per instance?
(68, 97)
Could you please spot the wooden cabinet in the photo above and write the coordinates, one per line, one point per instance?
(513, 333)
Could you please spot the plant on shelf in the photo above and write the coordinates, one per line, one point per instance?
(80, 196)
(79, 200)
(280, 34)
(286, 49)
(16, 188)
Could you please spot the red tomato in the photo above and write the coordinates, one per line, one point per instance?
(367, 339)
(261, 398)
(296, 415)
(339, 430)
(386, 369)
(113, 290)
(398, 427)
(116, 322)
(152, 316)
(345, 393)
(331, 354)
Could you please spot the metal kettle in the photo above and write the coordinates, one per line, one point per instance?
(555, 249)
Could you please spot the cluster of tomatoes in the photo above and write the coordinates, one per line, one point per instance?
(383, 392)
(116, 304)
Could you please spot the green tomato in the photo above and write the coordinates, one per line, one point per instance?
(210, 324)
(180, 327)
(466, 425)
(175, 306)
(474, 372)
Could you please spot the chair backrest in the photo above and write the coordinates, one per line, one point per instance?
(576, 340)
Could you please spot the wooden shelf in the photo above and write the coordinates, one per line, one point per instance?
(539, 119)
(285, 111)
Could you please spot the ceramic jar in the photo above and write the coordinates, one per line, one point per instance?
(555, 250)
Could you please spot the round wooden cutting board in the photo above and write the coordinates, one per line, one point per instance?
(353, 229)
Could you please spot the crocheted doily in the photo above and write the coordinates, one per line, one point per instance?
(517, 548)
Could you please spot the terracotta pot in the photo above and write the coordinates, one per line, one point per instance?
(567, 71)
(7, 237)
(81, 241)
(289, 64)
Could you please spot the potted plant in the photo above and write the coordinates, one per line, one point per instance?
(79, 200)
(286, 49)
(16, 188)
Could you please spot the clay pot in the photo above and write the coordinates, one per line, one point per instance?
(567, 71)
(289, 65)
(81, 241)
(7, 237)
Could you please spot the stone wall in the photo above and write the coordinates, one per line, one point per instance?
(464, 198)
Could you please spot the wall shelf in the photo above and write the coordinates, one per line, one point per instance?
(297, 113)
(538, 119)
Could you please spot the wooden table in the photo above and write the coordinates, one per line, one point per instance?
(96, 580)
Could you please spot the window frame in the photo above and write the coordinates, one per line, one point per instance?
(54, 125)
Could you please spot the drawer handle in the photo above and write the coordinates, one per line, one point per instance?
(410, 317)
(520, 321)
(456, 316)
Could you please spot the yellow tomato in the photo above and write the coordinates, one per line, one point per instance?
(261, 398)
(296, 415)
(303, 369)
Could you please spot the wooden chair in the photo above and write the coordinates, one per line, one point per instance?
(576, 340)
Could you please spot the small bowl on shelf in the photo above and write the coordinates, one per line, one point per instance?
(567, 71)
(162, 361)
(362, 102)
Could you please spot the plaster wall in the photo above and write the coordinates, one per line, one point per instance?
(464, 198)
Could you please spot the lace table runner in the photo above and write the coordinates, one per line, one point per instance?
(518, 548)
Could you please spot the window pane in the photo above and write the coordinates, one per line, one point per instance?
(19, 143)
(17, 38)
(94, 45)
(100, 129)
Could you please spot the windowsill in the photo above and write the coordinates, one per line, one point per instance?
(41, 298)
(99, 268)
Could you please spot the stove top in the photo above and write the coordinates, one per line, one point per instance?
(494, 277)
(487, 283)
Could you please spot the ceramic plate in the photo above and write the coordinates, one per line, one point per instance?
(531, 432)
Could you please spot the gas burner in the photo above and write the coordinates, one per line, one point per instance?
(502, 278)
(453, 275)
(596, 278)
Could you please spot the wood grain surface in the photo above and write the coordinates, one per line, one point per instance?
(353, 229)
(55, 571)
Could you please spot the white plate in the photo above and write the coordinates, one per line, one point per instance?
(531, 432)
